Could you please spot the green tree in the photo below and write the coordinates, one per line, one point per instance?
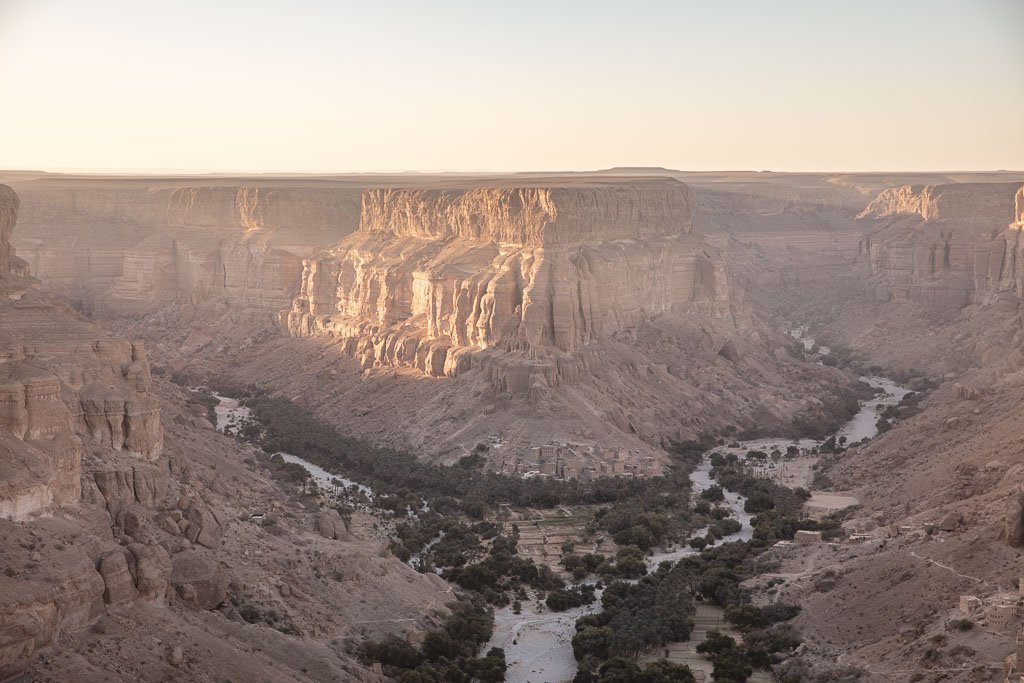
(664, 671)
(594, 641)
(732, 667)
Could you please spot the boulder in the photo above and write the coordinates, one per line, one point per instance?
(730, 351)
(964, 393)
(134, 522)
(150, 566)
(951, 522)
(330, 525)
(204, 526)
(168, 525)
(198, 580)
(118, 583)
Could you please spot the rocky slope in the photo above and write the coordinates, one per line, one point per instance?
(943, 484)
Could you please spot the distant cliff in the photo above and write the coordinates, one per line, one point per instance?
(999, 265)
(8, 217)
(131, 249)
(923, 241)
(969, 202)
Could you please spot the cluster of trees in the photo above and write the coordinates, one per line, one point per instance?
(761, 494)
(452, 542)
(567, 598)
(502, 572)
(907, 407)
(288, 472)
(729, 660)
(661, 511)
(580, 566)
(447, 653)
(620, 670)
(818, 423)
(402, 482)
(779, 509)
(628, 563)
(656, 610)
(735, 662)
(751, 617)
(716, 532)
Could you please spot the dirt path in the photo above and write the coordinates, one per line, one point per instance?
(950, 569)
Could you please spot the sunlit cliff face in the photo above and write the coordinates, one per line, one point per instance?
(537, 272)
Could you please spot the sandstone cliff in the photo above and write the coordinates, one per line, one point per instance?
(999, 266)
(130, 248)
(518, 280)
(925, 237)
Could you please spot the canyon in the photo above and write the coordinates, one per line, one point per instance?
(584, 322)
(585, 312)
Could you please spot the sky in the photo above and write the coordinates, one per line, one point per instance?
(337, 86)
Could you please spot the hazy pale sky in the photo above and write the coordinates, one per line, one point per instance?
(307, 85)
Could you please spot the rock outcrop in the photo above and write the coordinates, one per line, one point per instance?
(38, 607)
(518, 280)
(924, 246)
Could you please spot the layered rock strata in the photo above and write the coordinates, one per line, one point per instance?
(923, 247)
(62, 382)
(999, 266)
(130, 249)
(67, 390)
(517, 280)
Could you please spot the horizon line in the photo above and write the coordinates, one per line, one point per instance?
(185, 172)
